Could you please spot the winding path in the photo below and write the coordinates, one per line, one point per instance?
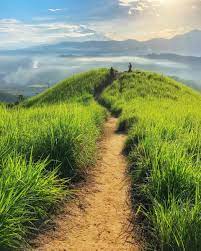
(99, 220)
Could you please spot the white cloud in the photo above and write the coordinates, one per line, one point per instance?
(140, 5)
(127, 3)
(14, 33)
(133, 9)
(157, 8)
(55, 10)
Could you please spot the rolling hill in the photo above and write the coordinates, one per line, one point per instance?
(52, 141)
(73, 88)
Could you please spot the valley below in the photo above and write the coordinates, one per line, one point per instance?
(29, 75)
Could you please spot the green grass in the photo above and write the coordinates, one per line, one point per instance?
(163, 121)
(65, 133)
(27, 192)
(49, 141)
(43, 149)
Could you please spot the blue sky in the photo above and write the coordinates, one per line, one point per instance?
(25, 23)
(78, 10)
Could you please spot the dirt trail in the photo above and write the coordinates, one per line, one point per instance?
(99, 220)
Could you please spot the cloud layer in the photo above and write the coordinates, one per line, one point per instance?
(145, 19)
(15, 34)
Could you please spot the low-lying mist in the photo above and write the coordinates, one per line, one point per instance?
(31, 72)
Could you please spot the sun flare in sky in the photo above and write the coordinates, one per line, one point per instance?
(24, 23)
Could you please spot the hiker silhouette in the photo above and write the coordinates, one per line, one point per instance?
(112, 72)
(130, 67)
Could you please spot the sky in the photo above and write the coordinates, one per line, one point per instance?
(26, 23)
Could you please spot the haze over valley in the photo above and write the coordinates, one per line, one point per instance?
(31, 70)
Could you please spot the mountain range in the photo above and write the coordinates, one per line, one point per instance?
(192, 60)
(187, 44)
(7, 97)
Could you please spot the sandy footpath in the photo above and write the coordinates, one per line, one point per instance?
(99, 218)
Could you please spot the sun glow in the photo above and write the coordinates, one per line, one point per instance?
(167, 2)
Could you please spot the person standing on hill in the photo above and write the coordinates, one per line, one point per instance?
(112, 72)
(130, 67)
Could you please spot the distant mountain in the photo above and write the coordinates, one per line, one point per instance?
(193, 61)
(88, 48)
(187, 44)
(7, 97)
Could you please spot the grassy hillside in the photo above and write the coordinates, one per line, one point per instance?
(76, 88)
(44, 148)
(163, 120)
(49, 141)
